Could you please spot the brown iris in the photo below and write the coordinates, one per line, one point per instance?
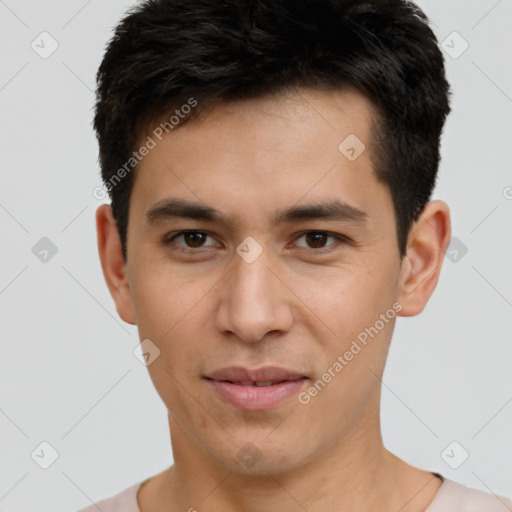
(316, 238)
(194, 239)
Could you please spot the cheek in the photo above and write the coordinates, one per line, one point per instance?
(346, 298)
(346, 308)
(162, 298)
(172, 312)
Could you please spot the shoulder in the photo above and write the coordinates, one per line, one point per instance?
(455, 497)
(124, 501)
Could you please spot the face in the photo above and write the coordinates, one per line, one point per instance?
(253, 288)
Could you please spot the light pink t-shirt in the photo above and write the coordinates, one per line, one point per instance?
(451, 497)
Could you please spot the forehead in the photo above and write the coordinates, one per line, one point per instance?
(258, 154)
(283, 122)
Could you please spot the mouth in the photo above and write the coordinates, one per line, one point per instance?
(250, 376)
(258, 384)
(255, 390)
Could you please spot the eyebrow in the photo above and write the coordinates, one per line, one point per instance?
(167, 209)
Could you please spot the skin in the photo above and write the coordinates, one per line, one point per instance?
(290, 307)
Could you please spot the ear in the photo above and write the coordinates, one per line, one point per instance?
(113, 264)
(421, 266)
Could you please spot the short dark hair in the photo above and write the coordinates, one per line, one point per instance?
(165, 52)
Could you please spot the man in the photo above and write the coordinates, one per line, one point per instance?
(270, 166)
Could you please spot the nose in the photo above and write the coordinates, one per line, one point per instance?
(254, 301)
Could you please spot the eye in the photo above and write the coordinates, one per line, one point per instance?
(317, 239)
(193, 239)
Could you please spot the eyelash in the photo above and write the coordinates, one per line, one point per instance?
(168, 239)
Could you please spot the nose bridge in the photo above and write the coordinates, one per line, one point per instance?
(251, 280)
(252, 303)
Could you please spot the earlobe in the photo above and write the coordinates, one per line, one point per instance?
(421, 267)
(113, 264)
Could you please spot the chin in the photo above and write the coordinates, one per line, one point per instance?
(255, 459)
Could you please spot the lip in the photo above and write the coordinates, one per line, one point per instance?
(226, 382)
(253, 398)
(265, 374)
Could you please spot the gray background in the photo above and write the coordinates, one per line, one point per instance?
(67, 369)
